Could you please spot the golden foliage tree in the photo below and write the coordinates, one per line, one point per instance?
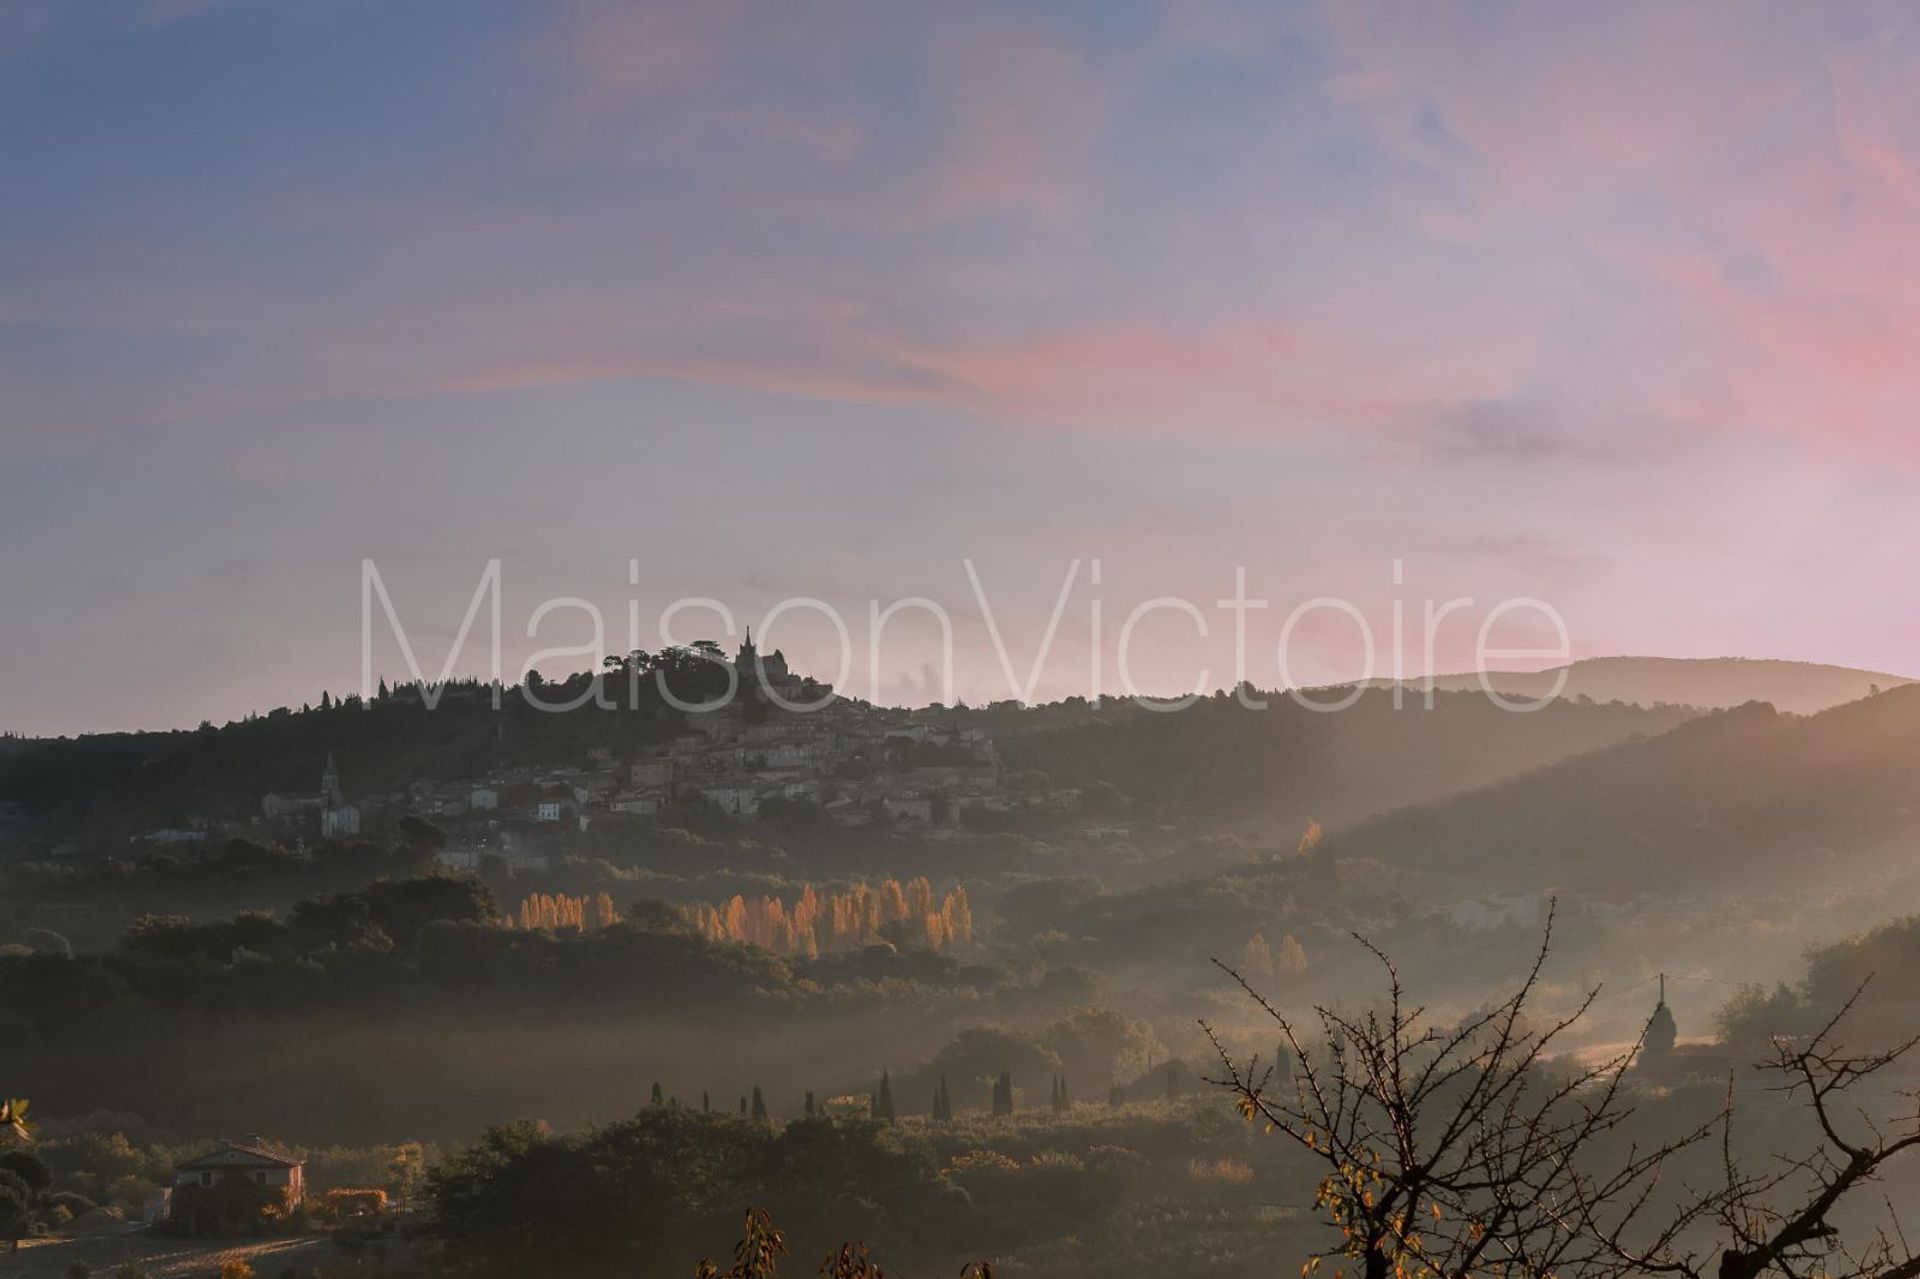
(816, 921)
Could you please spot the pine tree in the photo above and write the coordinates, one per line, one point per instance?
(812, 1110)
(759, 1103)
(656, 1098)
(883, 1100)
(383, 688)
(706, 1103)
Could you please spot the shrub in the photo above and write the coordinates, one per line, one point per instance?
(77, 1205)
(1225, 1170)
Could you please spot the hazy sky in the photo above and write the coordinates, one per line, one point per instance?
(1615, 306)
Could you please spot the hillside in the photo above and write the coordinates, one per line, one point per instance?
(1799, 688)
(1747, 798)
(1218, 761)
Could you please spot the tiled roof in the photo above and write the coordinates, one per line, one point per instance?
(241, 1154)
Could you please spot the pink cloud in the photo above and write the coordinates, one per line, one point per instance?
(622, 50)
(1022, 112)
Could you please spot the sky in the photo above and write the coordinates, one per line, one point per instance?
(1609, 307)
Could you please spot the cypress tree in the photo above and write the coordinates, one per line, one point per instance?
(759, 1103)
(706, 1103)
(811, 1110)
(1003, 1094)
(743, 1103)
(1116, 1095)
(1173, 1086)
(942, 1102)
(1066, 1099)
(883, 1100)
(656, 1098)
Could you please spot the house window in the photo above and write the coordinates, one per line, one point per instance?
(206, 1179)
(260, 1177)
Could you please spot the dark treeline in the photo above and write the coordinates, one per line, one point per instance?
(115, 783)
(1212, 763)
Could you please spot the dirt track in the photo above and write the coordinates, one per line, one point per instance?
(163, 1257)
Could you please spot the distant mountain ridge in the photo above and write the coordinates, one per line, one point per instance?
(1711, 683)
(1748, 797)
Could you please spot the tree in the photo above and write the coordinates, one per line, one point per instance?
(1003, 1094)
(759, 1103)
(30, 1168)
(942, 1102)
(883, 1099)
(44, 941)
(656, 1097)
(16, 1209)
(758, 1253)
(1451, 1151)
(1256, 957)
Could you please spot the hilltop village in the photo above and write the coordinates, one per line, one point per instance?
(746, 759)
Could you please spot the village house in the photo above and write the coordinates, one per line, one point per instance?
(651, 774)
(240, 1188)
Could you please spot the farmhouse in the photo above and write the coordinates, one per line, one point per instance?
(239, 1188)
